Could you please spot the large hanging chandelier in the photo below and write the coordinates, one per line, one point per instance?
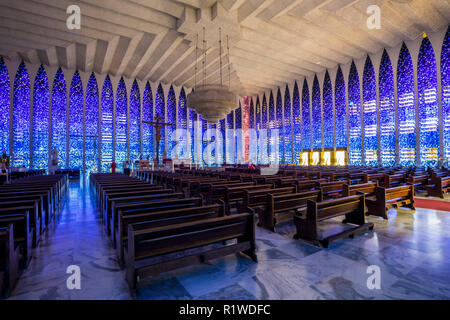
(212, 101)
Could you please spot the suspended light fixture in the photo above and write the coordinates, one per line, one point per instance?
(212, 101)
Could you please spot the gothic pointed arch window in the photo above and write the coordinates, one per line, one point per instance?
(76, 122)
(257, 129)
(41, 107)
(121, 131)
(340, 111)
(316, 115)
(21, 118)
(279, 128)
(135, 122)
(445, 83)
(370, 114)
(107, 125)
(92, 126)
(271, 126)
(387, 111)
(297, 125)
(171, 118)
(406, 109)
(4, 107)
(182, 136)
(428, 105)
(287, 127)
(59, 118)
(306, 118)
(354, 117)
(160, 111)
(147, 130)
(328, 129)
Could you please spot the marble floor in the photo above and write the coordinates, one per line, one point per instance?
(412, 250)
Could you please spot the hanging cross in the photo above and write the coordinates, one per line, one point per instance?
(158, 125)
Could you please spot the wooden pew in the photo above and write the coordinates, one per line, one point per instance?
(255, 199)
(351, 207)
(308, 185)
(162, 218)
(214, 191)
(386, 198)
(9, 261)
(235, 194)
(23, 233)
(20, 207)
(151, 251)
(439, 186)
(282, 207)
(419, 182)
(367, 188)
(393, 180)
(332, 189)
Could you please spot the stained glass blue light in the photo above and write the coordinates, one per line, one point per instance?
(387, 111)
(354, 118)
(252, 134)
(445, 82)
(41, 100)
(192, 123)
(230, 138)
(171, 118)
(135, 122)
(107, 109)
(428, 105)
(297, 125)
(328, 130)
(370, 115)
(59, 118)
(306, 118)
(92, 126)
(271, 126)
(221, 151)
(279, 127)
(21, 118)
(340, 109)
(238, 156)
(4, 107)
(316, 116)
(257, 129)
(287, 127)
(182, 136)
(147, 130)
(76, 123)
(264, 138)
(160, 111)
(204, 140)
(406, 110)
(121, 124)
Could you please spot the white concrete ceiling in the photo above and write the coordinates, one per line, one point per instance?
(272, 42)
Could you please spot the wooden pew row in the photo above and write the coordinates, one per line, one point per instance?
(386, 198)
(351, 207)
(438, 187)
(9, 261)
(151, 251)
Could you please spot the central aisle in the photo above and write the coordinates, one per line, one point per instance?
(77, 239)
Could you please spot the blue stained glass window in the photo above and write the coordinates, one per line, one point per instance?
(316, 115)
(192, 139)
(340, 109)
(279, 127)
(406, 109)
(41, 100)
(211, 142)
(354, 117)
(121, 124)
(171, 118)
(370, 115)
(238, 156)
(306, 118)
(428, 105)
(4, 107)
(147, 130)
(182, 138)
(59, 118)
(135, 122)
(297, 125)
(204, 140)
(76, 123)
(230, 138)
(287, 127)
(160, 111)
(92, 127)
(328, 130)
(252, 134)
(21, 118)
(387, 111)
(264, 147)
(221, 151)
(271, 126)
(107, 109)
(258, 128)
(445, 81)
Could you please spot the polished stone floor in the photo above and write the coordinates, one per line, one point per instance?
(412, 250)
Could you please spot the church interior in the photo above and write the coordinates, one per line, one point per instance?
(225, 150)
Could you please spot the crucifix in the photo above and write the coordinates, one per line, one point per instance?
(157, 125)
